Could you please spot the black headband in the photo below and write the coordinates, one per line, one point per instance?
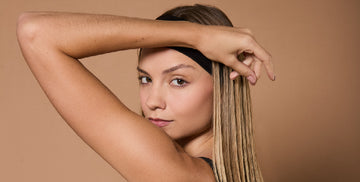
(194, 54)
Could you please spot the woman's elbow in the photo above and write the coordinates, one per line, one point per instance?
(28, 29)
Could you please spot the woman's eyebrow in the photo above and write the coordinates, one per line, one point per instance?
(177, 67)
(142, 71)
(174, 68)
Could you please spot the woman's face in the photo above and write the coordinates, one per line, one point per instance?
(175, 93)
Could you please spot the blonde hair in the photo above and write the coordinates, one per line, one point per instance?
(234, 148)
(234, 156)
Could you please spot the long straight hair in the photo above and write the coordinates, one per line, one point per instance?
(233, 149)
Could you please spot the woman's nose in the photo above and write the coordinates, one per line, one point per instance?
(155, 99)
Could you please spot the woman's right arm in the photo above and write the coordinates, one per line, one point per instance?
(83, 35)
(52, 43)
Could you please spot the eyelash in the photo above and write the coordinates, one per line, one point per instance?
(179, 79)
(175, 79)
(142, 77)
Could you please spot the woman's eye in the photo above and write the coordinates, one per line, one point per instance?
(178, 82)
(144, 79)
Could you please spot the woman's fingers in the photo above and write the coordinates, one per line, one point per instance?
(248, 60)
(233, 75)
(250, 46)
(242, 69)
(244, 58)
(257, 67)
(262, 55)
(270, 70)
(251, 62)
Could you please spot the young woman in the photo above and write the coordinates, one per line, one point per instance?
(196, 112)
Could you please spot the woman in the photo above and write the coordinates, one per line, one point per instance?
(192, 110)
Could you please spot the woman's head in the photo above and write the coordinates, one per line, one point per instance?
(213, 103)
(175, 93)
(190, 106)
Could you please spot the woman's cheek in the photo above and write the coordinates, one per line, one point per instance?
(194, 102)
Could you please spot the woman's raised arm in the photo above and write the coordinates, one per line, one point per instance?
(51, 44)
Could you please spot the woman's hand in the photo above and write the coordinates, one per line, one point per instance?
(236, 48)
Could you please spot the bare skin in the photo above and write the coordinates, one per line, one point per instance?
(52, 43)
(179, 90)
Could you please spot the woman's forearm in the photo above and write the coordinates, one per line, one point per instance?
(82, 35)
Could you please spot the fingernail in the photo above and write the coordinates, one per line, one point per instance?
(274, 78)
(233, 75)
(252, 79)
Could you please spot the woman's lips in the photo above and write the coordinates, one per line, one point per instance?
(160, 122)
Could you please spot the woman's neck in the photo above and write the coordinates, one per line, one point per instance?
(200, 145)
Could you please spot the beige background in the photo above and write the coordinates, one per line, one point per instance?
(307, 122)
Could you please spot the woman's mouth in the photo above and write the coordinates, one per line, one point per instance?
(160, 122)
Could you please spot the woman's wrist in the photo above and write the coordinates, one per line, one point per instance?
(180, 34)
(194, 35)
